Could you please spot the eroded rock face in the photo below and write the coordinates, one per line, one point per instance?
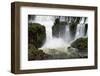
(73, 25)
(58, 29)
(36, 34)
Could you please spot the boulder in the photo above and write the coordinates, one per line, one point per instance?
(80, 44)
(36, 34)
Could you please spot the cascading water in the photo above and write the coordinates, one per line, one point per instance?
(67, 34)
(80, 29)
(48, 22)
(58, 46)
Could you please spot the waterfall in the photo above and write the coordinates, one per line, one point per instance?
(67, 34)
(80, 31)
(48, 22)
(60, 44)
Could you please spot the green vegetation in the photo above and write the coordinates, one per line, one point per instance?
(36, 34)
(81, 43)
(36, 38)
(35, 54)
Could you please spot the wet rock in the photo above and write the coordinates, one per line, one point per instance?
(58, 29)
(73, 52)
(82, 45)
(36, 54)
(86, 27)
(36, 34)
(73, 25)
